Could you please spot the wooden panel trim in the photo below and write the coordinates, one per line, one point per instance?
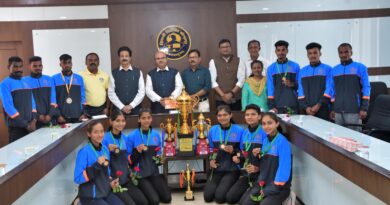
(379, 71)
(360, 171)
(305, 16)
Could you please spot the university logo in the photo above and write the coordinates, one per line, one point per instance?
(175, 41)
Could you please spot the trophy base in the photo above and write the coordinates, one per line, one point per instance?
(189, 196)
(186, 148)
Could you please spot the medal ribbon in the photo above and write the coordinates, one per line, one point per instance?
(248, 144)
(285, 73)
(68, 87)
(266, 150)
(226, 137)
(119, 141)
(142, 135)
(93, 148)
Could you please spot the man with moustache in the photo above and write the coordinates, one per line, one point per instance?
(351, 88)
(227, 76)
(197, 81)
(18, 101)
(254, 53)
(282, 82)
(44, 92)
(96, 85)
(127, 88)
(162, 83)
(314, 84)
(70, 93)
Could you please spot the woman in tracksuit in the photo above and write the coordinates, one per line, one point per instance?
(146, 150)
(116, 140)
(224, 139)
(92, 171)
(274, 182)
(250, 145)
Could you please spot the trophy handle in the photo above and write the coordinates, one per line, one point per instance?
(195, 101)
(193, 125)
(162, 125)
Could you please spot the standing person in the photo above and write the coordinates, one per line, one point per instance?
(96, 85)
(116, 141)
(147, 145)
(227, 76)
(254, 53)
(18, 101)
(127, 87)
(44, 93)
(351, 89)
(92, 172)
(224, 140)
(197, 81)
(162, 83)
(314, 90)
(255, 89)
(70, 92)
(282, 82)
(274, 181)
(250, 145)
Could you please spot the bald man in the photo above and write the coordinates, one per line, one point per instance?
(162, 83)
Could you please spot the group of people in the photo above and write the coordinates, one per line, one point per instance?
(250, 165)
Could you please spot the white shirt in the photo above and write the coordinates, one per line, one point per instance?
(153, 96)
(137, 99)
(248, 69)
(240, 73)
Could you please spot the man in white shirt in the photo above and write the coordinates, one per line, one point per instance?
(254, 49)
(127, 88)
(162, 83)
(227, 76)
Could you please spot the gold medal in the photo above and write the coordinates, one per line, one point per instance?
(105, 163)
(145, 148)
(117, 151)
(223, 146)
(69, 100)
(238, 155)
(284, 78)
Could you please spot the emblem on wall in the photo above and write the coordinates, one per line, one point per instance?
(175, 41)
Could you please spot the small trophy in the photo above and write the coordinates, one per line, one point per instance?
(169, 128)
(189, 177)
(201, 125)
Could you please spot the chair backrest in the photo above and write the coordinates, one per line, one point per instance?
(380, 116)
(377, 88)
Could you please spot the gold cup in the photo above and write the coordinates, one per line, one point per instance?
(202, 124)
(185, 106)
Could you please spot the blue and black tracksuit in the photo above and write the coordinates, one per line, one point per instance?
(71, 112)
(227, 172)
(18, 104)
(275, 171)
(44, 94)
(92, 177)
(281, 96)
(252, 138)
(314, 87)
(351, 87)
(153, 186)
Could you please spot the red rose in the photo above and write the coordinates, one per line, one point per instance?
(137, 169)
(157, 148)
(261, 183)
(245, 153)
(215, 150)
(119, 173)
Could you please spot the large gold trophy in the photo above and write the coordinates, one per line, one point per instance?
(170, 144)
(202, 125)
(189, 177)
(185, 106)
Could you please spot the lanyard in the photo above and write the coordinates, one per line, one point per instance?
(248, 144)
(142, 135)
(226, 137)
(66, 85)
(285, 73)
(266, 150)
(93, 148)
(119, 141)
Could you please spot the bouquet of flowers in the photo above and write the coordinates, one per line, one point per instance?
(119, 189)
(135, 176)
(158, 159)
(259, 197)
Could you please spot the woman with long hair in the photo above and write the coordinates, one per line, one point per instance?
(254, 90)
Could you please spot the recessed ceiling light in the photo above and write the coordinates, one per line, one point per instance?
(265, 9)
(63, 17)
